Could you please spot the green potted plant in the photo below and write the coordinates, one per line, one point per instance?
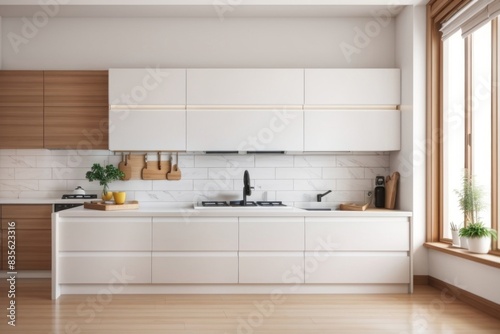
(105, 175)
(474, 233)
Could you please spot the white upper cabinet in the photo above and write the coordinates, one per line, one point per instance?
(147, 109)
(364, 86)
(147, 86)
(352, 130)
(245, 86)
(245, 130)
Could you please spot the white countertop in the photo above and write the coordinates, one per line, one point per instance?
(38, 200)
(162, 211)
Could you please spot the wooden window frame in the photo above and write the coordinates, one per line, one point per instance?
(438, 11)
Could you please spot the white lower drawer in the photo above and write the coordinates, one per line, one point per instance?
(195, 267)
(271, 267)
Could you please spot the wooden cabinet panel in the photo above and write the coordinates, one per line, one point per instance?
(72, 127)
(21, 127)
(21, 88)
(76, 109)
(26, 211)
(29, 223)
(33, 236)
(76, 88)
(33, 249)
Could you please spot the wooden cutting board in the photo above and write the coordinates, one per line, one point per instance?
(125, 168)
(391, 189)
(135, 164)
(105, 206)
(153, 171)
(353, 207)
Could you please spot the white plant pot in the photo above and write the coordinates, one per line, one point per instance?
(479, 245)
(456, 238)
(464, 242)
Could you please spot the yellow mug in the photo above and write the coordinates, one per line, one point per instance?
(119, 197)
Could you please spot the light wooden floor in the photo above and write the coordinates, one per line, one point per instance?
(426, 311)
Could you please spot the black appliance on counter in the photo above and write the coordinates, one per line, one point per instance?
(64, 206)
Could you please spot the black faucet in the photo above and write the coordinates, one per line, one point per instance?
(319, 196)
(247, 189)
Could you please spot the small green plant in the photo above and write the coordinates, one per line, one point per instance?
(477, 230)
(470, 199)
(105, 175)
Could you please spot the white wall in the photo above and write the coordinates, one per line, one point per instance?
(474, 277)
(102, 43)
(410, 161)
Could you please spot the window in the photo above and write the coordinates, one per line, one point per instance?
(462, 111)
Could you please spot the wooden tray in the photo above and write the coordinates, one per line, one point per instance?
(353, 207)
(100, 205)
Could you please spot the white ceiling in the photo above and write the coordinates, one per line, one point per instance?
(203, 8)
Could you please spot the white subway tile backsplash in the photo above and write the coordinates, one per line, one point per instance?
(273, 184)
(315, 161)
(354, 185)
(298, 173)
(51, 161)
(343, 173)
(7, 173)
(293, 179)
(18, 185)
(53, 185)
(225, 161)
(33, 174)
(319, 185)
(372, 160)
(273, 160)
(17, 161)
(67, 173)
(173, 185)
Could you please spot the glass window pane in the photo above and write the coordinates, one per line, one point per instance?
(453, 128)
(481, 116)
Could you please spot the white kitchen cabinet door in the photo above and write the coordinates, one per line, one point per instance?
(195, 234)
(195, 267)
(147, 86)
(357, 234)
(105, 234)
(271, 233)
(245, 86)
(352, 130)
(271, 267)
(104, 267)
(245, 130)
(147, 129)
(345, 86)
(355, 268)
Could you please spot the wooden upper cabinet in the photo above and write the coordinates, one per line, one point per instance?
(76, 109)
(21, 88)
(21, 109)
(76, 88)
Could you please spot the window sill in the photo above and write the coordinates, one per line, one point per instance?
(487, 259)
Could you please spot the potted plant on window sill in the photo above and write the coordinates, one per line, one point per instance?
(105, 175)
(474, 233)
